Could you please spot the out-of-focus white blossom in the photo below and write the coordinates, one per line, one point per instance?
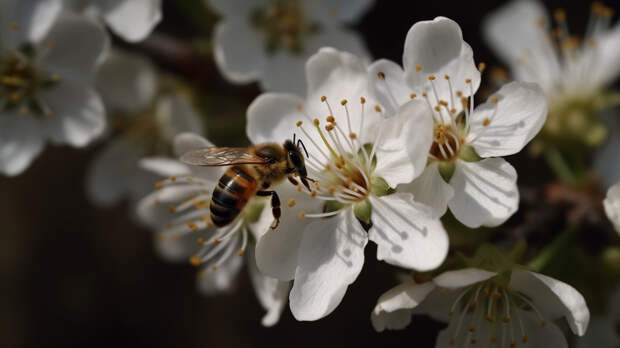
(465, 170)
(133, 20)
(355, 156)
(148, 120)
(48, 59)
(269, 41)
(179, 213)
(515, 308)
(612, 205)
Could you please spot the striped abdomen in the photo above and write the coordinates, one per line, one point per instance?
(231, 194)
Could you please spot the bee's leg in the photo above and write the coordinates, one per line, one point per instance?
(293, 181)
(275, 205)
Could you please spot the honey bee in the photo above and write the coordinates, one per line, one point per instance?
(252, 171)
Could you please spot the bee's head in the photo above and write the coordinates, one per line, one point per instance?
(295, 162)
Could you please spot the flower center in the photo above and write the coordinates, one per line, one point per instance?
(446, 143)
(284, 25)
(493, 309)
(21, 82)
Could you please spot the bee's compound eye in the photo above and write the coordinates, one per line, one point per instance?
(295, 159)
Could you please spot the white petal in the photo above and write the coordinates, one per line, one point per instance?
(61, 56)
(485, 192)
(133, 20)
(176, 115)
(430, 189)
(127, 82)
(437, 47)
(394, 308)
(272, 117)
(153, 209)
(78, 115)
(185, 142)
(607, 64)
(277, 250)
(20, 142)
(333, 73)
(271, 292)
(405, 141)
(236, 8)
(239, 63)
(515, 33)
(555, 298)
(462, 277)
(223, 278)
(612, 205)
(511, 123)
(392, 91)
(110, 173)
(163, 166)
(405, 233)
(331, 257)
(34, 18)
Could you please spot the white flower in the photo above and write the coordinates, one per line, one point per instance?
(270, 40)
(464, 170)
(508, 309)
(179, 212)
(342, 131)
(612, 205)
(133, 20)
(129, 84)
(575, 73)
(47, 62)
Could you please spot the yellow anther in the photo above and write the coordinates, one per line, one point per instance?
(489, 318)
(437, 108)
(459, 94)
(524, 339)
(172, 208)
(447, 77)
(486, 122)
(316, 122)
(377, 108)
(343, 102)
(362, 100)
(302, 214)
(298, 187)
(323, 98)
(192, 226)
(173, 178)
(381, 75)
(443, 103)
(299, 123)
(216, 241)
(195, 260)
(330, 119)
(431, 77)
(467, 80)
(200, 241)
(481, 66)
(15, 26)
(412, 95)
(506, 319)
(418, 67)
(494, 100)
(453, 111)
(352, 135)
(291, 203)
(471, 328)
(313, 193)
(329, 127)
(300, 107)
(240, 252)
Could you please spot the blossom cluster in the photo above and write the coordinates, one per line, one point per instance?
(407, 155)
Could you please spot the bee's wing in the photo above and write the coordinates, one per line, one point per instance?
(221, 156)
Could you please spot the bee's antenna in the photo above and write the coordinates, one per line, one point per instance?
(303, 146)
(294, 138)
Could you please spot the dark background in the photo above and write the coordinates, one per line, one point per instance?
(72, 274)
